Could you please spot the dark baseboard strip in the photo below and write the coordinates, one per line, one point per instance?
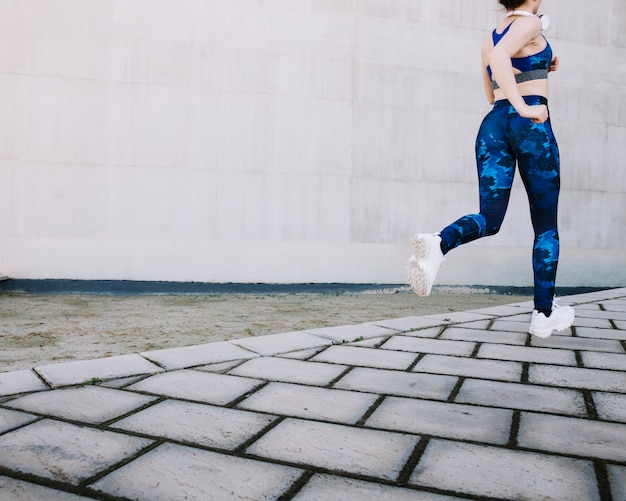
(132, 287)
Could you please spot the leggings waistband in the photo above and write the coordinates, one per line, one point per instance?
(529, 100)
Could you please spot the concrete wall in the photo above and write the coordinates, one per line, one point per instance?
(287, 140)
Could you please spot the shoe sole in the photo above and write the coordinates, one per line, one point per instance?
(544, 333)
(419, 247)
(417, 277)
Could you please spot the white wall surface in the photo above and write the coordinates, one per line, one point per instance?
(288, 140)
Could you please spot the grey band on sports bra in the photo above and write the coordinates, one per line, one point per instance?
(525, 77)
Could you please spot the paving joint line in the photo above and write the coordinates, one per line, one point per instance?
(236, 401)
(455, 391)
(368, 413)
(592, 412)
(330, 385)
(157, 400)
(524, 373)
(240, 450)
(297, 486)
(418, 359)
(602, 479)
(413, 460)
(516, 419)
(120, 464)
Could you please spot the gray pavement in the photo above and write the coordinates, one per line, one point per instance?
(455, 406)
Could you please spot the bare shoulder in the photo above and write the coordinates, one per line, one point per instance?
(521, 34)
(526, 26)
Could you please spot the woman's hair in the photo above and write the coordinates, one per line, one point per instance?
(511, 4)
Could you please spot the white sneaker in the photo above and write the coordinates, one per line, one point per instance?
(560, 319)
(424, 263)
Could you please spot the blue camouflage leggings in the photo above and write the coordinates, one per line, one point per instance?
(505, 138)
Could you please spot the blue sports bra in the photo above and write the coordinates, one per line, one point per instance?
(533, 67)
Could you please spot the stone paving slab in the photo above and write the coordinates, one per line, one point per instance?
(575, 377)
(19, 490)
(366, 357)
(88, 404)
(310, 403)
(438, 346)
(192, 356)
(522, 396)
(484, 336)
(300, 354)
(527, 354)
(429, 332)
(386, 382)
(119, 383)
(10, 419)
(604, 361)
(470, 367)
(220, 367)
(290, 371)
(517, 324)
(505, 474)
(65, 452)
(198, 386)
(601, 333)
(481, 325)
(621, 325)
(580, 308)
(504, 310)
(463, 422)
(13, 383)
(615, 305)
(609, 315)
(584, 325)
(371, 453)
(193, 423)
(458, 317)
(189, 473)
(349, 333)
(373, 342)
(458, 406)
(591, 297)
(576, 437)
(409, 323)
(522, 319)
(275, 344)
(577, 343)
(82, 371)
(617, 477)
(326, 487)
(610, 406)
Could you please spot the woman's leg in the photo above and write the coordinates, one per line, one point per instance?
(496, 169)
(538, 162)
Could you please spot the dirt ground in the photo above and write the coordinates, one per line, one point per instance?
(41, 329)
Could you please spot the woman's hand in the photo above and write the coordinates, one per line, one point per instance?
(538, 113)
(554, 64)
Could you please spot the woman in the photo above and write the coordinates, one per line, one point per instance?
(516, 59)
